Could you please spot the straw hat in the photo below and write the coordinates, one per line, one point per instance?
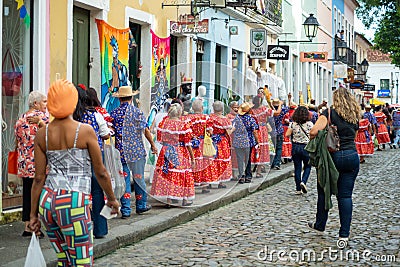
(367, 107)
(275, 101)
(125, 91)
(244, 108)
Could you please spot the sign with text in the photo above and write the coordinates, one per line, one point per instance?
(357, 85)
(313, 56)
(384, 93)
(369, 87)
(279, 52)
(368, 95)
(258, 43)
(189, 26)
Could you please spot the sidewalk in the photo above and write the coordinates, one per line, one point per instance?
(13, 246)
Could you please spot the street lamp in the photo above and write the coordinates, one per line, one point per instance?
(310, 28)
(342, 49)
(364, 66)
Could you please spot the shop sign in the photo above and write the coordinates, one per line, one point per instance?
(189, 26)
(258, 43)
(369, 87)
(357, 85)
(384, 93)
(350, 75)
(279, 52)
(340, 71)
(368, 95)
(313, 56)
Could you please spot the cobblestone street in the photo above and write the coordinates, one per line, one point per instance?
(269, 228)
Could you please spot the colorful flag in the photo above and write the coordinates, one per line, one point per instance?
(160, 73)
(114, 61)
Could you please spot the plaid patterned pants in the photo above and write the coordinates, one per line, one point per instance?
(66, 216)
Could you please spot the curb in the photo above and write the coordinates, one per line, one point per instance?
(124, 235)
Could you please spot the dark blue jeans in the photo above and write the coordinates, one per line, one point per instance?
(300, 157)
(99, 222)
(347, 163)
(278, 151)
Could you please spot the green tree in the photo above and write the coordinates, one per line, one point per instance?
(386, 15)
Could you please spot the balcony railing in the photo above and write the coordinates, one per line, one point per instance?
(270, 9)
(273, 11)
(351, 57)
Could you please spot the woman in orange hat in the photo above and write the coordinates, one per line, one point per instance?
(69, 149)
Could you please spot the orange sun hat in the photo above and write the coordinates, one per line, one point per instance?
(62, 99)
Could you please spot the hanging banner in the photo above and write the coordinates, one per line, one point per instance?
(114, 61)
(160, 71)
(258, 43)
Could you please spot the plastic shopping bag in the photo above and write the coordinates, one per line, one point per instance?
(112, 162)
(34, 258)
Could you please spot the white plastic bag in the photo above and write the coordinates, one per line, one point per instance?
(34, 258)
(112, 162)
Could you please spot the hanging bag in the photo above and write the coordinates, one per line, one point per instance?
(34, 257)
(112, 162)
(332, 136)
(12, 162)
(208, 146)
(11, 80)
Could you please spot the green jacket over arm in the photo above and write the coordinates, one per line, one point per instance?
(321, 159)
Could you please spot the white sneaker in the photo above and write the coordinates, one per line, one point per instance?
(303, 187)
(298, 193)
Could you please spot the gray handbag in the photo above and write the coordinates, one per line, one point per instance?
(332, 136)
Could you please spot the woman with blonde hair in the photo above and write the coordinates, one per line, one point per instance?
(344, 114)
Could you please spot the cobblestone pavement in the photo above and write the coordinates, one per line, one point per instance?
(250, 232)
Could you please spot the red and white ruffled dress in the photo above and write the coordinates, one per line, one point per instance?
(198, 124)
(221, 167)
(287, 144)
(261, 115)
(173, 177)
(383, 135)
(364, 142)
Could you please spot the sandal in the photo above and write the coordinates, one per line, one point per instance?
(186, 204)
(221, 186)
(247, 180)
(241, 181)
(259, 175)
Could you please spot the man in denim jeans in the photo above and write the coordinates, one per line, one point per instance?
(130, 124)
(279, 112)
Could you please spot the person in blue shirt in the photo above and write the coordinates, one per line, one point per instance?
(130, 124)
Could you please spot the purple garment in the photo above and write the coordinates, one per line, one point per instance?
(396, 119)
(243, 135)
(371, 118)
(278, 120)
(314, 116)
(130, 145)
(89, 118)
